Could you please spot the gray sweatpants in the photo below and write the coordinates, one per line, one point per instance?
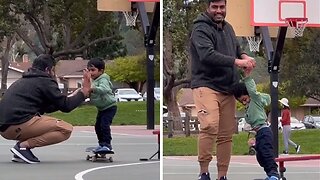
(286, 131)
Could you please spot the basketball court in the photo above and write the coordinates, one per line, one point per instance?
(241, 168)
(67, 160)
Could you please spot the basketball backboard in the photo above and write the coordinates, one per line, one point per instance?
(275, 12)
(123, 5)
(240, 14)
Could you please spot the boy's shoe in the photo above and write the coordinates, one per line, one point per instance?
(110, 147)
(204, 176)
(298, 148)
(25, 154)
(223, 178)
(101, 149)
(17, 159)
(272, 178)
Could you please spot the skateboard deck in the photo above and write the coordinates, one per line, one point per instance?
(93, 156)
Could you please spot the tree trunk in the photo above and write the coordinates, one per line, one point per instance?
(5, 64)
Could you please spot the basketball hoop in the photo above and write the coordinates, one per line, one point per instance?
(298, 25)
(254, 43)
(131, 17)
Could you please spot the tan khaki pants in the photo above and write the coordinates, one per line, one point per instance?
(216, 114)
(39, 131)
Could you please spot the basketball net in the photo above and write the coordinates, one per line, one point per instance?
(254, 43)
(297, 25)
(131, 17)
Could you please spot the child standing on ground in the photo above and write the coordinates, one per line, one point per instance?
(255, 102)
(103, 98)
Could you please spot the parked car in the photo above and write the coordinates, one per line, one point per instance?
(295, 124)
(156, 94)
(243, 125)
(311, 122)
(127, 94)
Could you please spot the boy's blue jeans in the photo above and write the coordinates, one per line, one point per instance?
(264, 151)
(102, 126)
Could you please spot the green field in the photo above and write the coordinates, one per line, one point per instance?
(309, 140)
(129, 113)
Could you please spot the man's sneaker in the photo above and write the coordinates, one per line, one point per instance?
(272, 178)
(204, 176)
(25, 154)
(298, 148)
(17, 159)
(223, 178)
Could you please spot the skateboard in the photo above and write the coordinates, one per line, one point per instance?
(93, 156)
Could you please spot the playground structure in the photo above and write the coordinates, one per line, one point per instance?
(131, 10)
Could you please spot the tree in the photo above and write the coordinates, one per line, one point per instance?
(177, 16)
(66, 28)
(301, 64)
(8, 24)
(132, 70)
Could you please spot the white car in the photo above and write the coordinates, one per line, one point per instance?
(156, 94)
(127, 94)
(295, 124)
(243, 125)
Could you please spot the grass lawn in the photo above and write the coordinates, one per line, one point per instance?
(309, 140)
(129, 113)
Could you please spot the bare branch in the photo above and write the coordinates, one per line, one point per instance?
(79, 50)
(22, 34)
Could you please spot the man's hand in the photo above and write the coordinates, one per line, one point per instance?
(86, 84)
(245, 63)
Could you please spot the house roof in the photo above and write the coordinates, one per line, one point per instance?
(310, 102)
(70, 68)
(186, 97)
(20, 67)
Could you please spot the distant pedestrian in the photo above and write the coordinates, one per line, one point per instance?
(286, 127)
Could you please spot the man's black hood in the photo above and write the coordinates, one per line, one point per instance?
(33, 72)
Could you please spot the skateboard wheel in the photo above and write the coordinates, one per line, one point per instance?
(94, 159)
(88, 157)
(110, 159)
(283, 178)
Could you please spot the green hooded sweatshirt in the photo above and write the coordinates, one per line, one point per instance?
(102, 96)
(255, 113)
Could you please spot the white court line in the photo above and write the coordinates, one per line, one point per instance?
(123, 134)
(80, 174)
(244, 173)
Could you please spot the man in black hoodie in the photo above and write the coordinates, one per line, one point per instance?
(24, 103)
(216, 55)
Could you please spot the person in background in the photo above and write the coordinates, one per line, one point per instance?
(23, 105)
(286, 127)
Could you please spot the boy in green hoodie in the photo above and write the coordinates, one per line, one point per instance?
(103, 98)
(247, 94)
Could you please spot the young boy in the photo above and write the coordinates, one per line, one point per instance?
(255, 102)
(103, 98)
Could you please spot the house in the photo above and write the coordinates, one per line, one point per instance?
(185, 100)
(68, 72)
(306, 108)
